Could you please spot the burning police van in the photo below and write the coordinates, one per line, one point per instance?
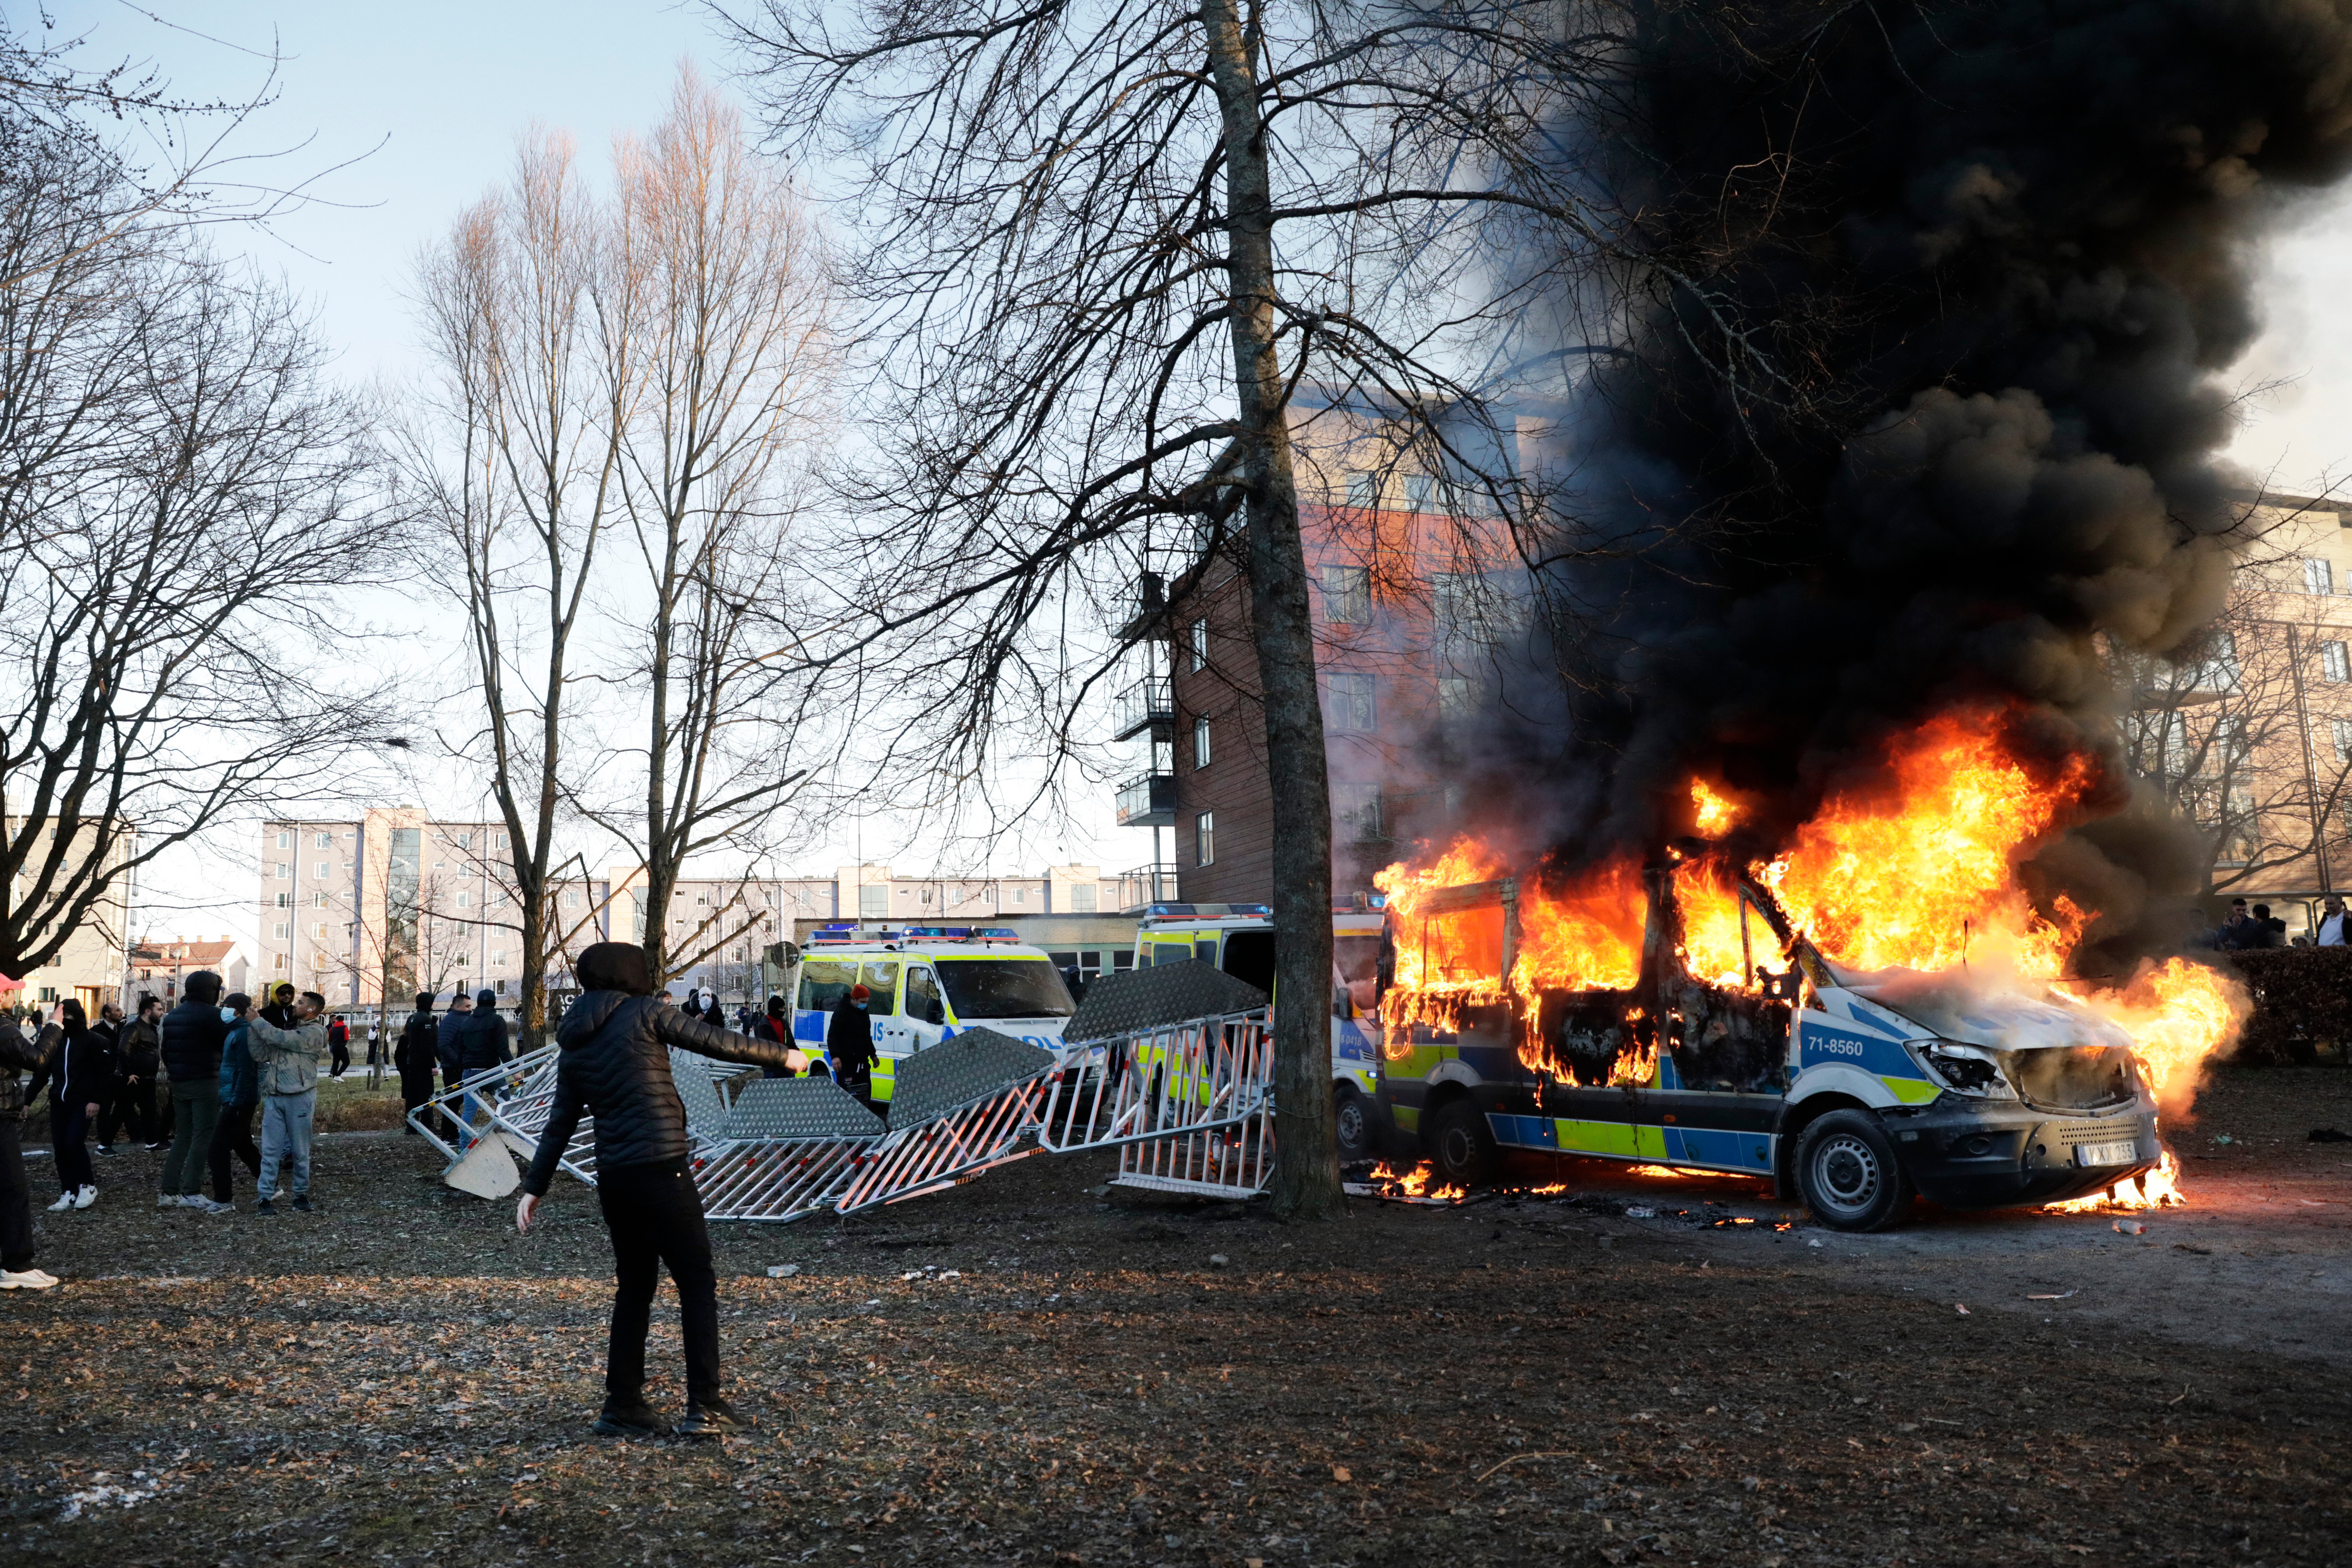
(1857, 1090)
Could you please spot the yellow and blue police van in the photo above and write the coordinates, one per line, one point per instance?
(1239, 938)
(928, 984)
(1858, 1091)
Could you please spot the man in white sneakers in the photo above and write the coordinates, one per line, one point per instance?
(16, 1247)
(289, 1059)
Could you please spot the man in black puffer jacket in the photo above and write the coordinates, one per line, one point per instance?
(191, 1037)
(614, 1064)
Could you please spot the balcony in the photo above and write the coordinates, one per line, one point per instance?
(1147, 800)
(1148, 705)
(1153, 884)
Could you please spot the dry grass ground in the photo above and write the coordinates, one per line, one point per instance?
(1021, 1371)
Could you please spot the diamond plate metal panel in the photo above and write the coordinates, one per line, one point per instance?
(706, 1113)
(796, 1108)
(1153, 998)
(956, 1072)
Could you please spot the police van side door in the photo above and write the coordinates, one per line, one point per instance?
(926, 1009)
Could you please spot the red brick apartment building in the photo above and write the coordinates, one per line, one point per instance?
(1411, 588)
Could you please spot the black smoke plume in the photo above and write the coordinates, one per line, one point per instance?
(1925, 369)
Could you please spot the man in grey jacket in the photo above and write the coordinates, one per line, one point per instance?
(288, 1063)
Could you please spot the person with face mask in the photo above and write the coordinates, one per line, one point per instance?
(240, 1097)
(849, 1044)
(78, 1069)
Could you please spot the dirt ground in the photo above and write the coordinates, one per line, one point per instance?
(1030, 1370)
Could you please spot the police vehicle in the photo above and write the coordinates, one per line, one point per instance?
(1858, 1090)
(928, 984)
(1239, 938)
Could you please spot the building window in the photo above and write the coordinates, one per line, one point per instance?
(1082, 898)
(286, 841)
(318, 900)
(2334, 663)
(499, 986)
(1420, 491)
(1357, 809)
(1196, 644)
(2318, 576)
(1355, 706)
(284, 870)
(278, 963)
(498, 840)
(324, 841)
(873, 902)
(465, 841)
(464, 901)
(1020, 895)
(1200, 742)
(1205, 838)
(1363, 489)
(497, 955)
(319, 930)
(1347, 595)
(282, 930)
(2340, 729)
(320, 871)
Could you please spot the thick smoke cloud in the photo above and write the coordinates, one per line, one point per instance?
(1977, 268)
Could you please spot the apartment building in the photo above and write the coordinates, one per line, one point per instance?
(93, 963)
(160, 966)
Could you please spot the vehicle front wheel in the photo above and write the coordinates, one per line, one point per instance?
(1848, 1173)
(1359, 1128)
(1462, 1150)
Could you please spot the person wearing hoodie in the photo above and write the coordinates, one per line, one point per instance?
(240, 1097)
(189, 1040)
(482, 1042)
(17, 1249)
(612, 1063)
(79, 1070)
(413, 1059)
(287, 1059)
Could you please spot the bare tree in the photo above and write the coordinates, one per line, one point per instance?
(516, 460)
(1103, 245)
(182, 499)
(715, 262)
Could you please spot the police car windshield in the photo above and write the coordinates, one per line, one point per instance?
(1005, 988)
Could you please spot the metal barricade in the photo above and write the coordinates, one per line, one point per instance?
(456, 1118)
(965, 1106)
(791, 1146)
(1188, 1106)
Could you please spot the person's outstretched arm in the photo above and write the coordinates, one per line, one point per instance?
(692, 1035)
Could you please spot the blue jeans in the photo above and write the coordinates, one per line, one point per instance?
(286, 1129)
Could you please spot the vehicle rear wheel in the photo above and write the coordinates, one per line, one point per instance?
(1359, 1128)
(1462, 1149)
(1848, 1173)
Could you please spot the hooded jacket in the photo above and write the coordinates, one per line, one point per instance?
(613, 1064)
(412, 1057)
(191, 1037)
(240, 1076)
(287, 1059)
(477, 1041)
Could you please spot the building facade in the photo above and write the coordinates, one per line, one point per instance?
(93, 963)
(160, 967)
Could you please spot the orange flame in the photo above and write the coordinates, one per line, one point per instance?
(1715, 815)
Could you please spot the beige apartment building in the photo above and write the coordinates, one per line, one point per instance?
(93, 964)
(393, 902)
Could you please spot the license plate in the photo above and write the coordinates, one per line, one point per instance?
(2107, 1153)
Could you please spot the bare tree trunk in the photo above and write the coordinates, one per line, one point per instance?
(1306, 1160)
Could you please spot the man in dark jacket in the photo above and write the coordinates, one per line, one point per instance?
(482, 1042)
(17, 1249)
(613, 1064)
(140, 1051)
(849, 1044)
(191, 1034)
(240, 1101)
(414, 1059)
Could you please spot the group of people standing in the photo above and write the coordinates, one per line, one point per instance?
(228, 1060)
(472, 1038)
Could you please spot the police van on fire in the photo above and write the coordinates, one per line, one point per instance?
(1239, 938)
(928, 984)
(1858, 1091)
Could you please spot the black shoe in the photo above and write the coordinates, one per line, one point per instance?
(630, 1418)
(301, 1203)
(710, 1419)
(264, 1206)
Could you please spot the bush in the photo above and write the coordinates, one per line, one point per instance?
(2302, 998)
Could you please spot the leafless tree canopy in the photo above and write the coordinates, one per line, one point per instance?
(182, 495)
(622, 386)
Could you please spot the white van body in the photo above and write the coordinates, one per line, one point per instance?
(927, 987)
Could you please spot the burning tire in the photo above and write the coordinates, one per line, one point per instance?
(1460, 1145)
(1359, 1129)
(1849, 1174)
